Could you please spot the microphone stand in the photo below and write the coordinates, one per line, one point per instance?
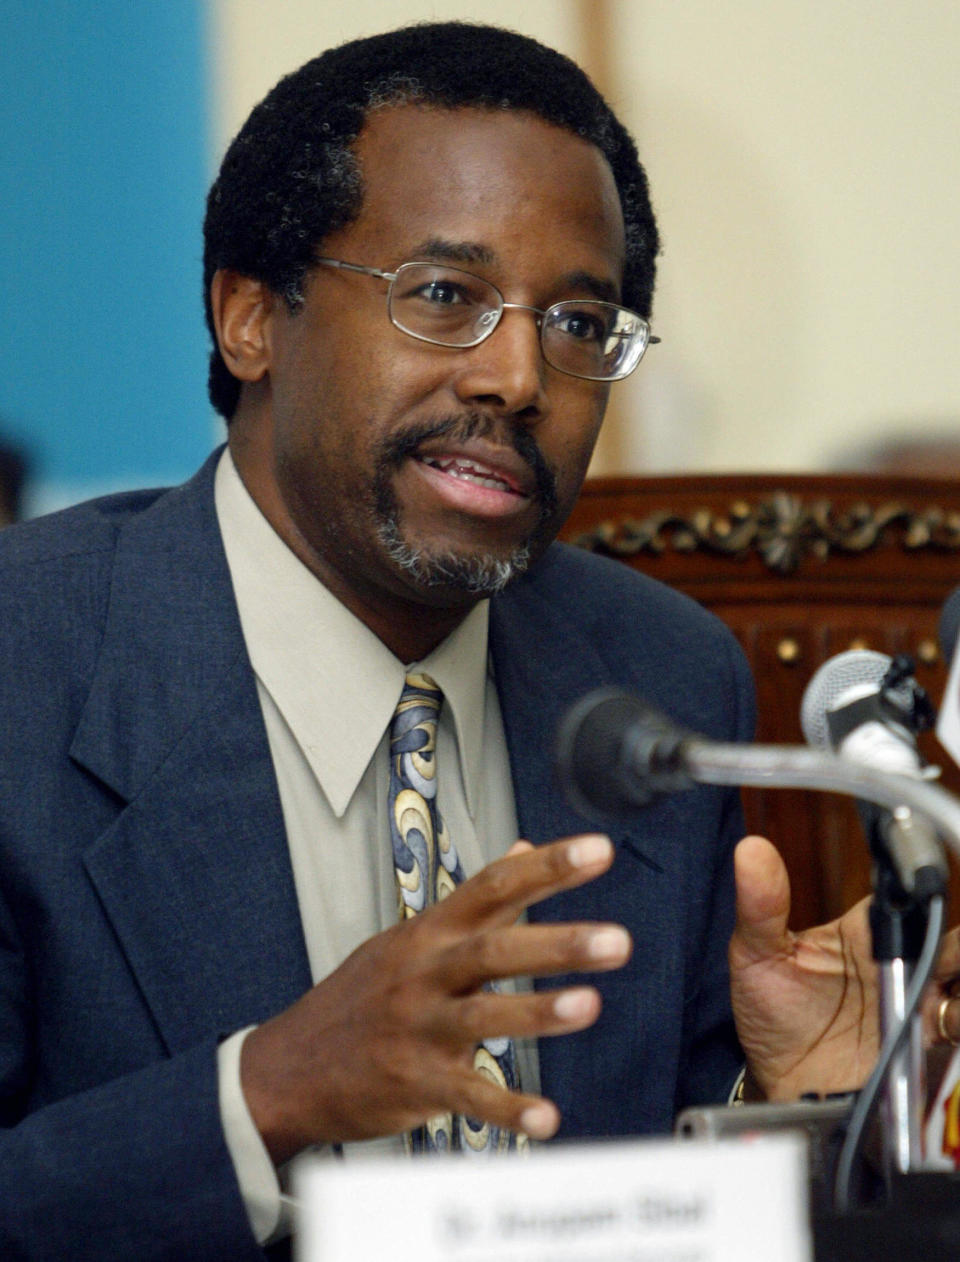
(898, 910)
(897, 926)
(613, 748)
(897, 922)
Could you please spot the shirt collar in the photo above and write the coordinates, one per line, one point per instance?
(308, 651)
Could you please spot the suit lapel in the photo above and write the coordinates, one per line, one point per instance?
(194, 873)
(545, 658)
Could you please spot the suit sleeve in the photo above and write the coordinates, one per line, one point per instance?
(111, 1139)
(133, 1169)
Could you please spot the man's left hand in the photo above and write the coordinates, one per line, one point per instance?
(807, 1004)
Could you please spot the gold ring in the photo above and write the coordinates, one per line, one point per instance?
(945, 1036)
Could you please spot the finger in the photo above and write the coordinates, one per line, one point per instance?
(469, 1092)
(948, 1022)
(941, 1018)
(505, 888)
(488, 1015)
(520, 847)
(763, 900)
(533, 951)
(947, 971)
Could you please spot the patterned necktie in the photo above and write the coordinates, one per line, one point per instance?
(428, 869)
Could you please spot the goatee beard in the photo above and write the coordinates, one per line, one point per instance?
(478, 574)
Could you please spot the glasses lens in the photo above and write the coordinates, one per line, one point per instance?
(596, 340)
(443, 305)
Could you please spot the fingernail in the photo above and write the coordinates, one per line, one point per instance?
(539, 1121)
(574, 1005)
(612, 944)
(594, 848)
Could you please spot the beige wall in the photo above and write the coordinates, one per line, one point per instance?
(254, 42)
(805, 165)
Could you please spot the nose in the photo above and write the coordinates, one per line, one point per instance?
(507, 371)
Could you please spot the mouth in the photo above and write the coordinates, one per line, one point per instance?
(471, 487)
(477, 473)
(472, 469)
(476, 478)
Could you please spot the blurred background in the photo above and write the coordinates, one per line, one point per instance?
(804, 162)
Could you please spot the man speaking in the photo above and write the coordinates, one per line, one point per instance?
(268, 738)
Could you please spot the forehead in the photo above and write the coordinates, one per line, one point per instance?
(531, 197)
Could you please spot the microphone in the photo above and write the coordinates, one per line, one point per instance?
(615, 753)
(854, 705)
(868, 708)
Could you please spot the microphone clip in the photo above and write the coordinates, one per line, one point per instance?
(898, 702)
(905, 700)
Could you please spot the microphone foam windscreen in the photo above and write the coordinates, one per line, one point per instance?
(857, 668)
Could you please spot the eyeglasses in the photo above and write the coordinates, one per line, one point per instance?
(445, 306)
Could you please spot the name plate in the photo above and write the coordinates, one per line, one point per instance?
(637, 1201)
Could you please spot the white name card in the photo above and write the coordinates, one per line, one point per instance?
(641, 1201)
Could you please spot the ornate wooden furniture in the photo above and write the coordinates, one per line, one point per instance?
(800, 567)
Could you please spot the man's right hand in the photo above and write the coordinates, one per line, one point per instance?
(387, 1040)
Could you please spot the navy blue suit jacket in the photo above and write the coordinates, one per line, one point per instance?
(147, 905)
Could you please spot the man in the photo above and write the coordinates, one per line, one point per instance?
(427, 256)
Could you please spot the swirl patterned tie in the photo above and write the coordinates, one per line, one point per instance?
(428, 869)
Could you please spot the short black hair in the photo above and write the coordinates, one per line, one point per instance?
(290, 177)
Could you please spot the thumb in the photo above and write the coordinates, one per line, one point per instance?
(763, 901)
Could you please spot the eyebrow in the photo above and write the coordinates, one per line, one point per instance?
(440, 249)
(605, 290)
(457, 251)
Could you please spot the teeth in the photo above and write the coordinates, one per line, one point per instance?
(469, 472)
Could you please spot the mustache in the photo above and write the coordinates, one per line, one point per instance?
(477, 425)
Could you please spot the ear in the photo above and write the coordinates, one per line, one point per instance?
(242, 310)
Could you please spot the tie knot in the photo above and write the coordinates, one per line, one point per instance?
(413, 728)
(419, 702)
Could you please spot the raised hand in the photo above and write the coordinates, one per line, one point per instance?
(807, 1004)
(387, 1040)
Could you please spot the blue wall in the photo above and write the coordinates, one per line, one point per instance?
(103, 170)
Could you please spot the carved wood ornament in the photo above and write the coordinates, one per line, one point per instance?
(782, 528)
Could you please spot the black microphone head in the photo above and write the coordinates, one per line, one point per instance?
(615, 753)
(949, 628)
(840, 679)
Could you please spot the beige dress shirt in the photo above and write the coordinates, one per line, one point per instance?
(328, 688)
